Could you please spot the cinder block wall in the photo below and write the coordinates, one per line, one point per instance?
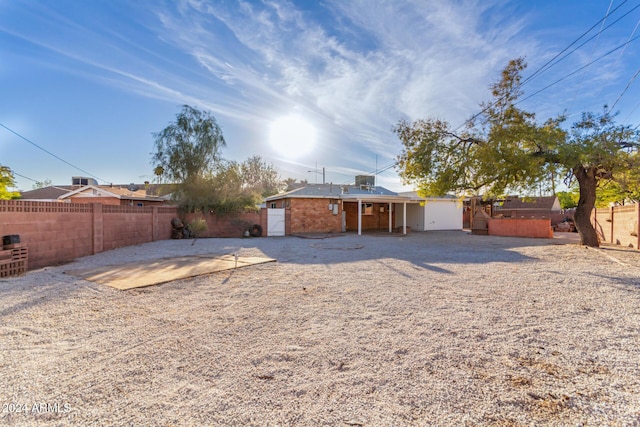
(126, 226)
(520, 227)
(53, 232)
(60, 232)
(229, 225)
(618, 225)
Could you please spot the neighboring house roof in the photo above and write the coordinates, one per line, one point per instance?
(45, 193)
(140, 192)
(548, 203)
(122, 193)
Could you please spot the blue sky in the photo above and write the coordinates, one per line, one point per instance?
(90, 81)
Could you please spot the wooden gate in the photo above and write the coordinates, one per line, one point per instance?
(275, 222)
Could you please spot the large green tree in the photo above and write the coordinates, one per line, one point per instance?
(187, 148)
(505, 150)
(231, 187)
(261, 177)
(624, 188)
(6, 182)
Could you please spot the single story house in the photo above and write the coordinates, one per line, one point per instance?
(329, 208)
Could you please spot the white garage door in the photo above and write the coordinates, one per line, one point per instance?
(443, 215)
(275, 222)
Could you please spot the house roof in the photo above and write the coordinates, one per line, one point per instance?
(123, 193)
(333, 191)
(348, 193)
(127, 192)
(45, 193)
(531, 203)
(414, 195)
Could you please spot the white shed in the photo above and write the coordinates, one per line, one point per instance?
(431, 213)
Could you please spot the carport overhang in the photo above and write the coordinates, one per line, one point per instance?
(379, 198)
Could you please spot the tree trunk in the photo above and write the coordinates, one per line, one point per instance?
(582, 218)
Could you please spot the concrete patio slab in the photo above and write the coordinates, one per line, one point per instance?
(147, 273)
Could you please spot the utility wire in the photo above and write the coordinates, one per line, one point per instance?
(593, 50)
(22, 176)
(597, 35)
(377, 171)
(550, 63)
(625, 89)
(50, 153)
(631, 113)
(622, 52)
(578, 70)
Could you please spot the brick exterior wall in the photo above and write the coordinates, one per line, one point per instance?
(101, 200)
(304, 216)
(313, 216)
(230, 225)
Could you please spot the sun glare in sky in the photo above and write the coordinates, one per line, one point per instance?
(292, 136)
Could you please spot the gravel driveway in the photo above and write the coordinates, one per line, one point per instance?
(435, 328)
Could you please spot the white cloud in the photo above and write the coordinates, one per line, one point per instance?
(354, 72)
(409, 59)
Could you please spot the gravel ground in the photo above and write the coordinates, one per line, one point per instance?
(435, 328)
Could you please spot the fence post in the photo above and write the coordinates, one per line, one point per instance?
(637, 227)
(611, 214)
(98, 227)
(154, 224)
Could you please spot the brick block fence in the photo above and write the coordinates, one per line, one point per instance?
(60, 232)
(618, 225)
(520, 227)
(230, 225)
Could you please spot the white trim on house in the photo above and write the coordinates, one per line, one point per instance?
(101, 192)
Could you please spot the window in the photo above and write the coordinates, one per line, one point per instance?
(367, 209)
(273, 205)
(79, 181)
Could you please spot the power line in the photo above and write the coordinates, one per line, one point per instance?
(377, 171)
(550, 63)
(22, 176)
(593, 50)
(579, 69)
(50, 153)
(631, 113)
(625, 89)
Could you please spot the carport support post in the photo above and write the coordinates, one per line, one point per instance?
(359, 217)
(390, 212)
(404, 217)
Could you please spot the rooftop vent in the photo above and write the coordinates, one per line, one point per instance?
(369, 180)
(81, 180)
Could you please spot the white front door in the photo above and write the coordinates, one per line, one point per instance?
(275, 222)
